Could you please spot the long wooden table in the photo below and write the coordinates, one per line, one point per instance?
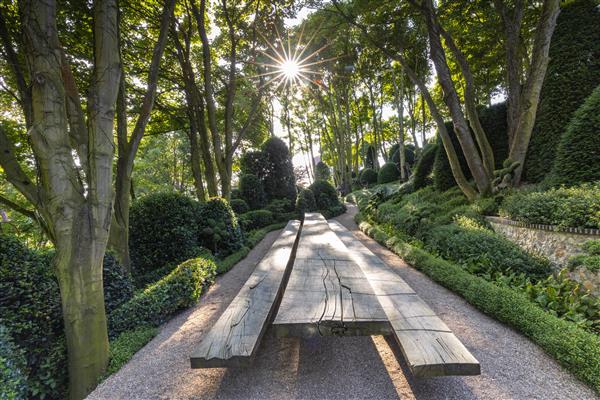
(327, 292)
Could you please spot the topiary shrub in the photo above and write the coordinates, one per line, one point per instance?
(388, 173)
(13, 382)
(252, 191)
(156, 303)
(326, 199)
(424, 166)
(578, 156)
(162, 229)
(239, 206)
(219, 230)
(370, 156)
(279, 181)
(254, 163)
(256, 219)
(30, 309)
(367, 177)
(409, 155)
(322, 172)
(573, 72)
(118, 285)
(306, 202)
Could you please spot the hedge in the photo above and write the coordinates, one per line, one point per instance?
(305, 202)
(367, 177)
(13, 381)
(126, 345)
(322, 172)
(256, 219)
(389, 172)
(574, 348)
(155, 304)
(578, 156)
(252, 191)
(239, 206)
(280, 181)
(219, 229)
(573, 72)
(577, 207)
(424, 166)
(327, 199)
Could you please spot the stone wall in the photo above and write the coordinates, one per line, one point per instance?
(558, 245)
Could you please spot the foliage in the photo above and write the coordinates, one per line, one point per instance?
(254, 163)
(326, 199)
(239, 206)
(424, 166)
(573, 72)
(578, 155)
(163, 229)
(480, 250)
(159, 301)
(367, 177)
(564, 207)
(219, 230)
(305, 202)
(127, 344)
(322, 172)
(282, 209)
(30, 309)
(371, 157)
(409, 155)
(13, 382)
(280, 181)
(118, 285)
(388, 173)
(589, 259)
(573, 347)
(252, 191)
(256, 219)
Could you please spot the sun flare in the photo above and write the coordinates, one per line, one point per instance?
(290, 69)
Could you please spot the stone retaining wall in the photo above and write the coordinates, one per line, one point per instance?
(555, 243)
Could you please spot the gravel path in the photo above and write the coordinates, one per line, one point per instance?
(340, 368)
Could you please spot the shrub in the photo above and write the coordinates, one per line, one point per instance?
(156, 303)
(388, 173)
(424, 166)
(256, 219)
(326, 199)
(573, 72)
(578, 155)
(13, 382)
(367, 177)
(481, 250)
(306, 202)
(370, 156)
(252, 191)
(30, 309)
(280, 181)
(254, 163)
(589, 259)
(235, 193)
(239, 206)
(219, 228)
(574, 348)
(322, 172)
(126, 345)
(565, 207)
(118, 285)
(280, 207)
(163, 229)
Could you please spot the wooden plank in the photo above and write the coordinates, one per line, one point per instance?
(234, 339)
(327, 293)
(428, 345)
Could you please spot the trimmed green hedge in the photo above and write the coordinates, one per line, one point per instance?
(389, 172)
(219, 229)
(239, 206)
(424, 166)
(305, 202)
(155, 304)
(574, 348)
(578, 156)
(252, 191)
(565, 207)
(328, 202)
(256, 219)
(126, 345)
(367, 177)
(573, 72)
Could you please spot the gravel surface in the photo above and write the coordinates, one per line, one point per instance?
(340, 368)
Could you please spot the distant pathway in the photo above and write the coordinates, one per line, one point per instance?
(340, 368)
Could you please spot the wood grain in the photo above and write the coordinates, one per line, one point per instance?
(234, 339)
(428, 345)
(327, 293)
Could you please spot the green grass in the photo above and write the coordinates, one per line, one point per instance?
(573, 347)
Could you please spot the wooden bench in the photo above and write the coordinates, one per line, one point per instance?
(235, 337)
(428, 345)
(327, 292)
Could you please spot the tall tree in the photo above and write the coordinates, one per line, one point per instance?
(72, 184)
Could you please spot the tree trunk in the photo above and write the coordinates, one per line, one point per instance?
(400, 108)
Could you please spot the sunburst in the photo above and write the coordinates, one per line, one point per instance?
(289, 65)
